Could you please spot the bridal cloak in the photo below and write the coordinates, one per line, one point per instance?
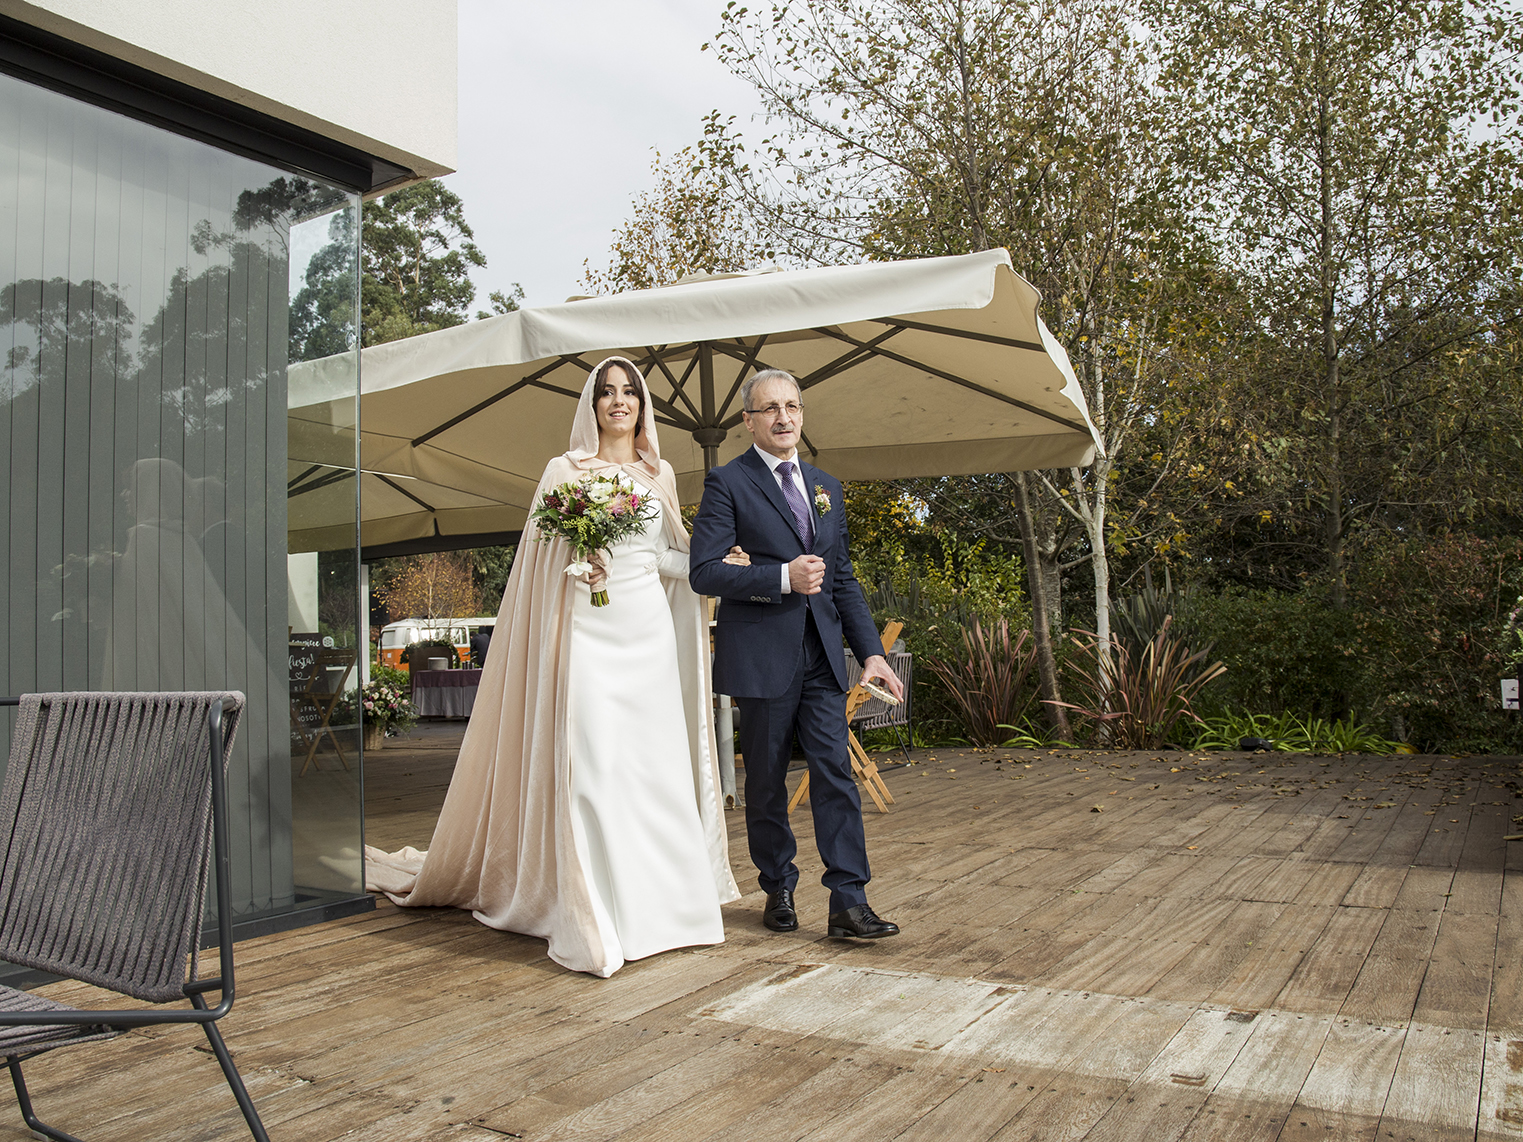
(522, 803)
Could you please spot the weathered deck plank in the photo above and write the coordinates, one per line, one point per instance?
(1232, 949)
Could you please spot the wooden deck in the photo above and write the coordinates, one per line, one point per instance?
(1137, 948)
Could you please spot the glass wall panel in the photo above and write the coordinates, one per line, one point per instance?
(145, 331)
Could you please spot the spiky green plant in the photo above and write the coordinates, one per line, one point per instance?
(990, 682)
(1136, 700)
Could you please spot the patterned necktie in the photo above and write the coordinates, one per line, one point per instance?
(797, 505)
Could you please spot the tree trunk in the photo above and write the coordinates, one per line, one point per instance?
(1094, 526)
(1041, 628)
(1333, 459)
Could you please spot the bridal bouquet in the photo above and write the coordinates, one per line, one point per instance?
(592, 514)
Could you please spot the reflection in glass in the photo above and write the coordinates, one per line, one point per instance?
(145, 332)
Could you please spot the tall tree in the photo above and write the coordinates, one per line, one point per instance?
(417, 259)
(1360, 165)
(924, 127)
(687, 224)
(439, 585)
(322, 312)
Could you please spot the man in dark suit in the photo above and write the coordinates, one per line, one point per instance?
(777, 649)
(480, 641)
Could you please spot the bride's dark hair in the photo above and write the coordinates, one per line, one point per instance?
(602, 379)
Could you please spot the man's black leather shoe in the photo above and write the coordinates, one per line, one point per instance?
(860, 922)
(779, 915)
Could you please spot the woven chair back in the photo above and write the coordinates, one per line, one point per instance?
(107, 807)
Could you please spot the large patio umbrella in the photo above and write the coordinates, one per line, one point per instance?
(938, 366)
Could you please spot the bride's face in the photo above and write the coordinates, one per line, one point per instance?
(618, 404)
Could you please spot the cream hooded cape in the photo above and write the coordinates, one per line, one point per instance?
(503, 846)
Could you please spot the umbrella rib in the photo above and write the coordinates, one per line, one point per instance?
(967, 384)
(392, 484)
(675, 383)
(310, 471)
(564, 359)
(824, 372)
(735, 354)
(846, 360)
(317, 485)
(991, 338)
(748, 363)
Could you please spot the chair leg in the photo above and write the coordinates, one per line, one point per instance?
(235, 1081)
(337, 748)
(24, 1100)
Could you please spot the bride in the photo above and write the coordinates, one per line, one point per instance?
(585, 806)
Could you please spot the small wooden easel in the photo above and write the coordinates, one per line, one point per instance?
(862, 765)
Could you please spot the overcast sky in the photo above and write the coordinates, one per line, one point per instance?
(562, 107)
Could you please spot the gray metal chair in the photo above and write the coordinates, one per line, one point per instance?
(108, 804)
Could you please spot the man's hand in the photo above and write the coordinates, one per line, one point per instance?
(806, 574)
(877, 669)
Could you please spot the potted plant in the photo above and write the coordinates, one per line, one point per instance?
(416, 655)
(385, 706)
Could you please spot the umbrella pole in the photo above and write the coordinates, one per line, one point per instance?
(706, 396)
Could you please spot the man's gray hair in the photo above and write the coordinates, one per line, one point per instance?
(767, 375)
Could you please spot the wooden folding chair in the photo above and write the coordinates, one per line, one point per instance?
(317, 694)
(862, 765)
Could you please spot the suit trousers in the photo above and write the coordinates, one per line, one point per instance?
(814, 707)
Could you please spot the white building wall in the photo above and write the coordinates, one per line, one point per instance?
(379, 75)
(301, 579)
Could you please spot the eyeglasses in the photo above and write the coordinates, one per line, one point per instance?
(773, 411)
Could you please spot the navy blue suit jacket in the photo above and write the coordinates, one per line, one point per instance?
(759, 629)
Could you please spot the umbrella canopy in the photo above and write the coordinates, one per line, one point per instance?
(938, 366)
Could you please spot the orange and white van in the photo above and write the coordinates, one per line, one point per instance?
(396, 637)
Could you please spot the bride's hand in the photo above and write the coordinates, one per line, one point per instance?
(737, 558)
(597, 578)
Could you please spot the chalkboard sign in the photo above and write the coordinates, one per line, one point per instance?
(304, 648)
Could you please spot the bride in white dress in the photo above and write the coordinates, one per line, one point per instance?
(585, 805)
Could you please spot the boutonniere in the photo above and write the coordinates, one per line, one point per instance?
(821, 499)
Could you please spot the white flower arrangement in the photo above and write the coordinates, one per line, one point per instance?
(821, 499)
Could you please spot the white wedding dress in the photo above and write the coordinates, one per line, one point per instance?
(634, 812)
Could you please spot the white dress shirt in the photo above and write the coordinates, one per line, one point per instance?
(798, 482)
